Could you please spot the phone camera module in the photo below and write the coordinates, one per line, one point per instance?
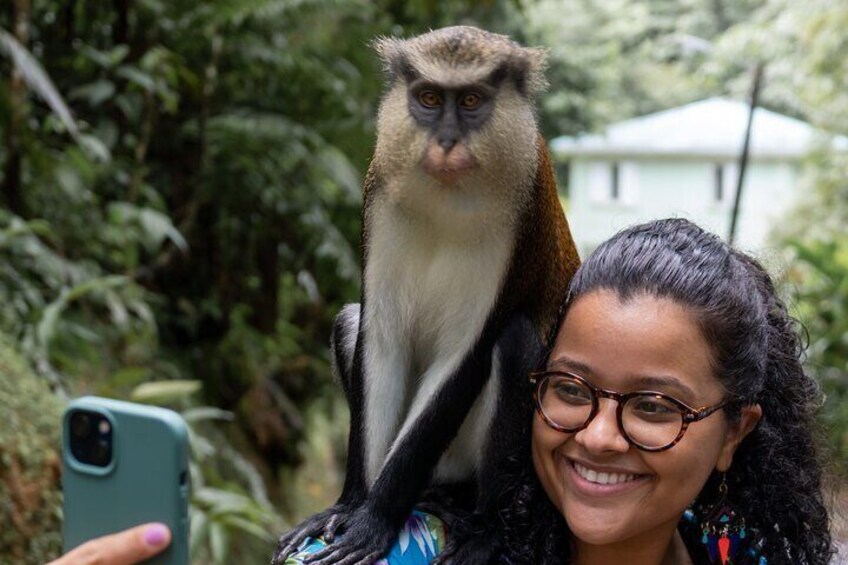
(80, 425)
(91, 438)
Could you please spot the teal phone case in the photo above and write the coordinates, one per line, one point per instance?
(146, 480)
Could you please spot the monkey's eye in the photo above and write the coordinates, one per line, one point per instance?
(429, 99)
(470, 100)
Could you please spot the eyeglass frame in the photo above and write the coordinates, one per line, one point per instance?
(688, 414)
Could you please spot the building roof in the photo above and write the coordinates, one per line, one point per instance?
(714, 128)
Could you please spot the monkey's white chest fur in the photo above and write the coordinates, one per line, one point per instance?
(428, 294)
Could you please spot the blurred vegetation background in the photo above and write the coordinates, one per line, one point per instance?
(179, 213)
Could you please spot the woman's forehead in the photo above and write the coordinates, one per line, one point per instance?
(631, 342)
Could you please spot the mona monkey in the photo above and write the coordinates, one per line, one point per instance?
(467, 257)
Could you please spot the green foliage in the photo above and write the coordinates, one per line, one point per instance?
(30, 501)
(821, 272)
(617, 59)
(181, 220)
(818, 283)
(805, 49)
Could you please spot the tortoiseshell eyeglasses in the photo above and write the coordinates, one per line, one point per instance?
(651, 421)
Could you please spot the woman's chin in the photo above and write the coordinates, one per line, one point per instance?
(596, 529)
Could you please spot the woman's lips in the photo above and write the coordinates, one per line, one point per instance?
(599, 481)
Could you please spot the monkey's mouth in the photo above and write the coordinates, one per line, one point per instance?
(448, 166)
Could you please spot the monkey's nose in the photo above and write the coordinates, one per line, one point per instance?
(447, 143)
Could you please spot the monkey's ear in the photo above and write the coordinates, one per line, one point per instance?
(528, 67)
(395, 61)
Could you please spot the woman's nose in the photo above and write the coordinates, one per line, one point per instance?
(603, 434)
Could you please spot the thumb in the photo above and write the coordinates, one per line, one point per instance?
(124, 548)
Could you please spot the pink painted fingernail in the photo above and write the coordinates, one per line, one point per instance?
(156, 535)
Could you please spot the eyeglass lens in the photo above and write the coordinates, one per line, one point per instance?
(647, 420)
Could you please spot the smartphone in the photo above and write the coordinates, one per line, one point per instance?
(124, 464)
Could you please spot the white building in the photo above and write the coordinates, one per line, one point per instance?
(683, 162)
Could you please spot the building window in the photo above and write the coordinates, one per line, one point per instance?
(615, 182)
(718, 183)
(725, 176)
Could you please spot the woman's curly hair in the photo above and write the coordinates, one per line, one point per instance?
(776, 477)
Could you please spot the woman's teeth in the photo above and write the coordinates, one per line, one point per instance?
(603, 478)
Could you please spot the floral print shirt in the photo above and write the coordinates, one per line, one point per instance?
(419, 541)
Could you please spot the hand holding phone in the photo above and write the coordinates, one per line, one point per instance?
(124, 548)
(124, 464)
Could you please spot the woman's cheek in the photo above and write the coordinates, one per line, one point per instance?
(545, 442)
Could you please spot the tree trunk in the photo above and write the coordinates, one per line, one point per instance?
(722, 23)
(12, 175)
(266, 302)
(743, 158)
(121, 27)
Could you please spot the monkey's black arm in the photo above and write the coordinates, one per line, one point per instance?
(346, 344)
(371, 529)
(343, 340)
(476, 539)
(519, 352)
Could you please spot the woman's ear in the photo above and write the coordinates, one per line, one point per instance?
(748, 419)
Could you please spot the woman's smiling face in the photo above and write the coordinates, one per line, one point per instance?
(609, 491)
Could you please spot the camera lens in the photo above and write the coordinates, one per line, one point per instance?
(91, 438)
(81, 425)
(102, 453)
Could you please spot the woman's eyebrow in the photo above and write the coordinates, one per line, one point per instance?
(641, 382)
(566, 364)
(652, 381)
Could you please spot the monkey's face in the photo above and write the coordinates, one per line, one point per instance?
(465, 136)
(458, 119)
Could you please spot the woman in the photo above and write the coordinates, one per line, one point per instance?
(725, 451)
(674, 421)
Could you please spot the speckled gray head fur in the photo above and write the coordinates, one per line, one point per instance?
(461, 50)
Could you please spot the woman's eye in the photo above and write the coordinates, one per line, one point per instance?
(470, 101)
(572, 392)
(430, 99)
(653, 407)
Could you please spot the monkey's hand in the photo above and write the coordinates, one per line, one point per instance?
(324, 524)
(470, 542)
(364, 538)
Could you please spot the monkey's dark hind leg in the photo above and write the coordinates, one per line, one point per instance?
(476, 539)
(363, 540)
(324, 524)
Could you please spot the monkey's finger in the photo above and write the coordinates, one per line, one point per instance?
(124, 548)
(289, 536)
(291, 542)
(361, 558)
(330, 528)
(331, 555)
(290, 548)
(341, 556)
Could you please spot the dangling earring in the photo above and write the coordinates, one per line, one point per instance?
(723, 528)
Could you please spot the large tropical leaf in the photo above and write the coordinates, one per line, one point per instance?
(37, 79)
